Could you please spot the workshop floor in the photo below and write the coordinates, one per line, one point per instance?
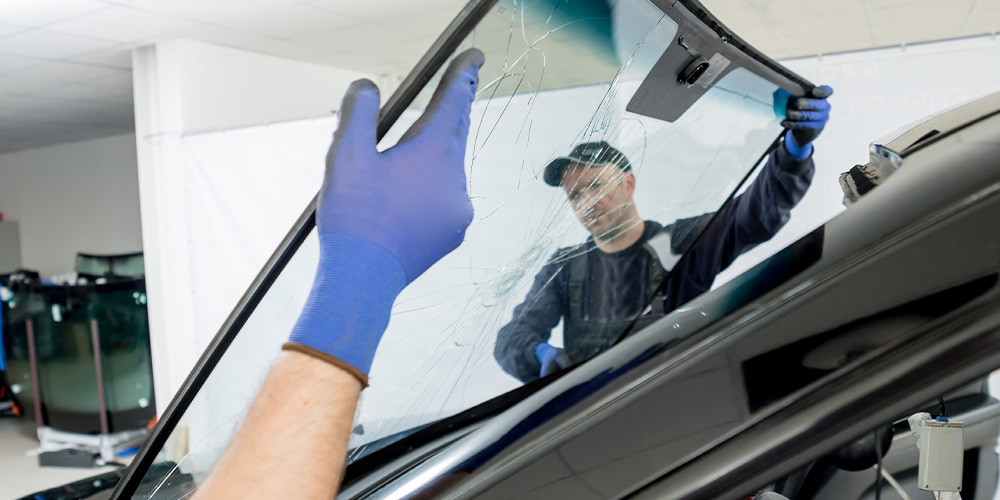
(20, 474)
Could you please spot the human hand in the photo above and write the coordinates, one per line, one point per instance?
(385, 218)
(551, 358)
(805, 118)
(409, 201)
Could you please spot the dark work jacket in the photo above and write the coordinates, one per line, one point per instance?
(752, 218)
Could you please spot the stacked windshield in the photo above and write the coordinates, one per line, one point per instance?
(565, 156)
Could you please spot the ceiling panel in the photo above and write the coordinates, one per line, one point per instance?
(35, 13)
(429, 21)
(222, 35)
(70, 59)
(121, 24)
(388, 9)
(210, 11)
(289, 22)
(362, 39)
(410, 50)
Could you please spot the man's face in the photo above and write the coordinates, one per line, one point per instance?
(601, 196)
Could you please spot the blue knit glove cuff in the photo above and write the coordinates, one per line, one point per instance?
(797, 152)
(350, 302)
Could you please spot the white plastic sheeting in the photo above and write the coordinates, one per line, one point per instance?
(243, 190)
(876, 92)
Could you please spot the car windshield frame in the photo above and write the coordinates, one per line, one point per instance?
(691, 13)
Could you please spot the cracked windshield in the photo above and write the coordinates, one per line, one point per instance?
(589, 180)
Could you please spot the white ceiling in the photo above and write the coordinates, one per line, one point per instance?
(793, 28)
(65, 65)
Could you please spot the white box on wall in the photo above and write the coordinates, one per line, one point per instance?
(10, 247)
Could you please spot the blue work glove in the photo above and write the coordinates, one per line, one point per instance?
(384, 218)
(551, 358)
(805, 118)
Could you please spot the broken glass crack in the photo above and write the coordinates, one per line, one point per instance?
(557, 74)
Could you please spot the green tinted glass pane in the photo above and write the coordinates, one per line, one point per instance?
(64, 321)
(118, 265)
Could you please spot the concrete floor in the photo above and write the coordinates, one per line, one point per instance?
(20, 474)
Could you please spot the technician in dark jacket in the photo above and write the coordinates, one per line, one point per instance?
(599, 287)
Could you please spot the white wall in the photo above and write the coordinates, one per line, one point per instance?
(75, 197)
(182, 87)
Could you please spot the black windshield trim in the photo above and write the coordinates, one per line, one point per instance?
(713, 23)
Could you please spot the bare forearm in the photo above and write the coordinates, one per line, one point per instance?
(293, 442)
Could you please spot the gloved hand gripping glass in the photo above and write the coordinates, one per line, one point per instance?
(805, 118)
(552, 359)
(384, 218)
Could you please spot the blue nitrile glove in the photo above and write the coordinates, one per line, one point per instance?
(805, 118)
(384, 218)
(551, 358)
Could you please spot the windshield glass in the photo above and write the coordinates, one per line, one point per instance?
(566, 147)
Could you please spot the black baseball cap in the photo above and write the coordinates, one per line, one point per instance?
(589, 154)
